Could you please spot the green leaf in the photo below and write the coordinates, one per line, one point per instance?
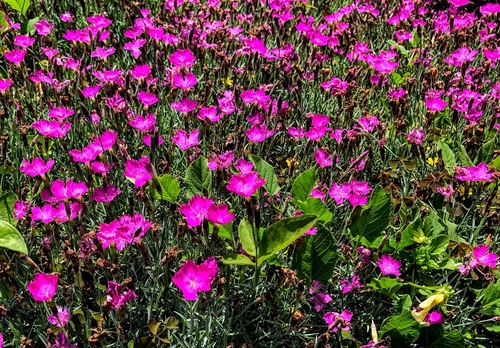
(396, 78)
(7, 201)
(283, 233)
(453, 339)
(415, 40)
(385, 285)
(438, 245)
(247, 240)
(371, 220)
(463, 156)
(10, 238)
(448, 157)
(485, 153)
(19, 5)
(399, 47)
(314, 258)
(226, 231)
(266, 171)
(303, 185)
(492, 327)
(3, 23)
(402, 329)
(198, 178)
(28, 26)
(317, 207)
(490, 299)
(237, 259)
(170, 188)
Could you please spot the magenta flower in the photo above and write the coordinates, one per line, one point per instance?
(99, 21)
(143, 123)
(127, 230)
(209, 113)
(15, 56)
(348, 286)
(447, 191)
(139, 171)
(46, 214)
(60, 113)
(460, 56)
(221, 162)
(105, 194)
(184, 105)
(355, 192)
(259, 133)
(182, 59)
(196, 210)
(435, 104)
(245, 184)
(338, 321)
(115, 299)
(91, 91)
(101, 167)
(319, 299)
(323, 158)
(24, 41)
(184, 141)
(135, 47)
(44, 287)
(67, 17)
(36, 167)
(49, 52)
(147, 99)
(21, 209)
(192, 278)
(5, 84)
(85, 155)
(481, 256)
(489, 9)
(62, 318)
(43, 27)
(257, 97)
(52, 128)
(434, 317)
(389, 265)
(219, 214)
(185, 82)
(416, 136)
(481, 172)
(140, 72)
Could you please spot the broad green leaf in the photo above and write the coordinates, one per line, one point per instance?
(224, 231)
(19, 5)
(237, 259)
(303, 185)
(317, 207)
(245, 233)
(170, 188)
(463, 156)
(3, 23)
(397, 78)
(28, 26)
(283, 233)
(448, 157)
(370, 221)
(492, 327)
(385, 285)
(198, 178)
(453, 339)
(490, 299)
(438, 245)
(7, 201)
(399, 47)
(485, 153)
(408, 234)
(415, 40)
(267, 172)
(10, 238)
(496, 163)
(402, 329)
(314, 258)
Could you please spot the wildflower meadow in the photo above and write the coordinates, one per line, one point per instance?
(249, 173)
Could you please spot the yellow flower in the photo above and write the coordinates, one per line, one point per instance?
(292, 162)
(427, 305)
(228, 81)
(432, 161)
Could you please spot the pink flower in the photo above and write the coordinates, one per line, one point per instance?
(21, 209)
(91, 91)
(323, 158)
(481, 256)
(139, 171)
(43, 287)
(126, 230)
(219, 214)
(460, 56)
(320, 299)
(99, 21)
(348, 286)
(52, 128)
(135, 47)
(61, 112)
(367, 123)
(185, 82)
(147, 99)
(184, 105)
(115, 299)
(447, 191)
(37, 166)
(489, 9)
(140, 72)
(435, 104)
(24, 41)
(196, 210)
(475, 173)
(389, 265)
(182, 59)
(61, 191)
(105, 194)
(338, 321)
(459, 3)
(5, 84)
(434, 317)
(102, 52)
(192, 278)
(46, 214)
(143, 123)
(15, 56)
(43, 27)
(355, 192)
(245, 184)
(184, 141)
(67, 17)
(221, 162)
(416, 136)
(62, 318)
(209, 113)
(257, 134)
(251, 96)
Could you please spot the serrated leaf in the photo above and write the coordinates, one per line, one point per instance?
(369, 221)
(10, 238)
(449, 158)
(198, 177)
(303, 185)
(170, 188)
(283, 233)
(237, 259)
(19, 5)
(314, 258)
(266, 171)
(7, 201)
(245, 233)
(317, 207)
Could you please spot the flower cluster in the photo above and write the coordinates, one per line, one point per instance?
(126, 230)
